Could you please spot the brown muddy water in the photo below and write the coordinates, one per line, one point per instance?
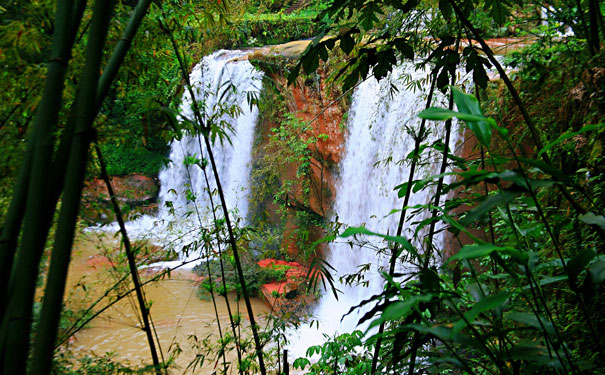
(176, 309)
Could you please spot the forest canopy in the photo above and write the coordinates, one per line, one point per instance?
(93, 89)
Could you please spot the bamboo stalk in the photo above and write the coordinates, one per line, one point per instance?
(74, 181)
(109, 74)
(238, 265)
(16, 321)
(207, 244)
(223, 278)
(77, 141)
(10, 232)
(446, 148)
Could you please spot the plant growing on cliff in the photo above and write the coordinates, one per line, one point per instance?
(290, 172)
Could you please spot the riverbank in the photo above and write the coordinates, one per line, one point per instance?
(182, 320)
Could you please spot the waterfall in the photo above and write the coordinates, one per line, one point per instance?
(368, 173)
(213, 81)
(220, 81)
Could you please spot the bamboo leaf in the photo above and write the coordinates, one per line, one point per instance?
(469, 105)
(492, 302)
(478, 251)
(400, 309)
(552, 279)
(351, 231)
(597, 272)
(532, 321)
(500, 198)
(347, 43)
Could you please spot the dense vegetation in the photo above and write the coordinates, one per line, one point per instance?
(518, 288)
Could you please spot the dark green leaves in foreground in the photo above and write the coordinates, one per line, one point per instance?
(470, 113)
(475, 251)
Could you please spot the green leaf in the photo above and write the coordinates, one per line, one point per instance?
(533, 352)
(518, 179)
(441, 114)
(469, 105)
(323, 52)
(446, 9)
(368, 15)
(480, 76)
(442, 80)
(578, 263)
(592, 219)
(351, 231)
(409, 5)
(418, 185)
(548, 169)
(597, 272)
(347, 43)
(478, 251)
(310, 60)
(301, 363)
(532, 321)
(498, 10)
(401, 189)
(406, 50)
(450, 361)
(552, 279)
(500, 198)
(492, 302)
(400, 309)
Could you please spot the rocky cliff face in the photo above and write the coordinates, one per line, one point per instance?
(300, 142)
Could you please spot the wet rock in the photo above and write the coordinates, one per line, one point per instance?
(136, 194)
(290, 290)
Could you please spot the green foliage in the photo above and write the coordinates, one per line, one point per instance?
(107, 364)
(285, 153)
(344, 354)
(123, 160)
(255, 275)
(523, 298)
(505, 302)
(255, 30)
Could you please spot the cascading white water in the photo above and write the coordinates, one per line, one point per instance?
(377, 125)
(222, 80)
(213, 80)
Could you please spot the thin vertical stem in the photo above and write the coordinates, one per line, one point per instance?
(444, 163)
(238, 266)
(131, 264)
(394, 254)
(207, 244)
(223, 278)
